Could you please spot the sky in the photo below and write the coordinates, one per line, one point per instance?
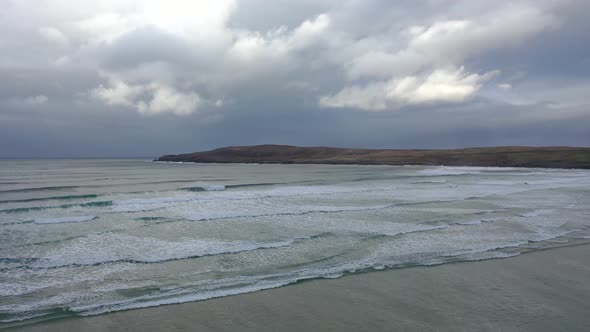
(130, 78)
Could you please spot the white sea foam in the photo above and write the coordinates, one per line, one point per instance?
(559, 241)
(113, 247)
(214, 187)
(380, 259)
(277, 211)
(549, 234)
(151, 203)
(470, 222)
(362, 218)
(373, 190)
(207, 187)
(61, 278)
(502, 182)
(480, 221)
(448, 170)
(62, 220)
(242, 285)
(343, 224)
(536, 213)
(146, 302)
(377, 189)
(13, 289)
(479, 256)
(430, 181)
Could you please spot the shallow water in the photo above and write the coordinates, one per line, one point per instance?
(83, 237)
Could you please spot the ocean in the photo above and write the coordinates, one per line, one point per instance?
(85, 237)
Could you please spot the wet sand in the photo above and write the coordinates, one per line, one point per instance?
(546, 290)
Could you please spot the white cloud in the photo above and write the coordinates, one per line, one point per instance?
(36, 100)
(162, 57)
(54, 36)
(195, 20)
(168, 100)
(440, 86)
(232, 56)
(149, 99)
(119, 93)
(508, 26)
(505, 86)
(253, 48)
(450, 42)
(410, 73)
(310, 32)
(103, 27)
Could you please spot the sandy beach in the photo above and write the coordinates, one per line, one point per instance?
(540, 291)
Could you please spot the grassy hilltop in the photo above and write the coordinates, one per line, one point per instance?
(505, 156)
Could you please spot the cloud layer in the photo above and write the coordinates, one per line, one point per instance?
(219, 64)
(440, 86)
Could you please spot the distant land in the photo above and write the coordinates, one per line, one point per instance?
(502, 156)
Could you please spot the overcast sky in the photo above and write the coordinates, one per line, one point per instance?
(144, 78)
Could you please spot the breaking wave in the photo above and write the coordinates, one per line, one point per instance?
(52, 198)
(26, 190)
(99, 249)
(63, 220)
(65, 206)
(212, 238)
(208, 187)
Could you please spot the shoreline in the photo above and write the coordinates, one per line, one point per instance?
(539, 290)
(343, 164)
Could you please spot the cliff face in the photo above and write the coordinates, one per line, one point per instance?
(511, 156)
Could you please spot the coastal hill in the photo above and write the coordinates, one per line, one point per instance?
(505, 156)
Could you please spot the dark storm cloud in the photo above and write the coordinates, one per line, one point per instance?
(143, 78)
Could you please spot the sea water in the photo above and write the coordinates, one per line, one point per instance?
(84, 237)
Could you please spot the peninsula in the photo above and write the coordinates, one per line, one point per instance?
(505, 156)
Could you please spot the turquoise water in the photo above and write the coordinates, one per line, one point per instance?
(84, 237)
